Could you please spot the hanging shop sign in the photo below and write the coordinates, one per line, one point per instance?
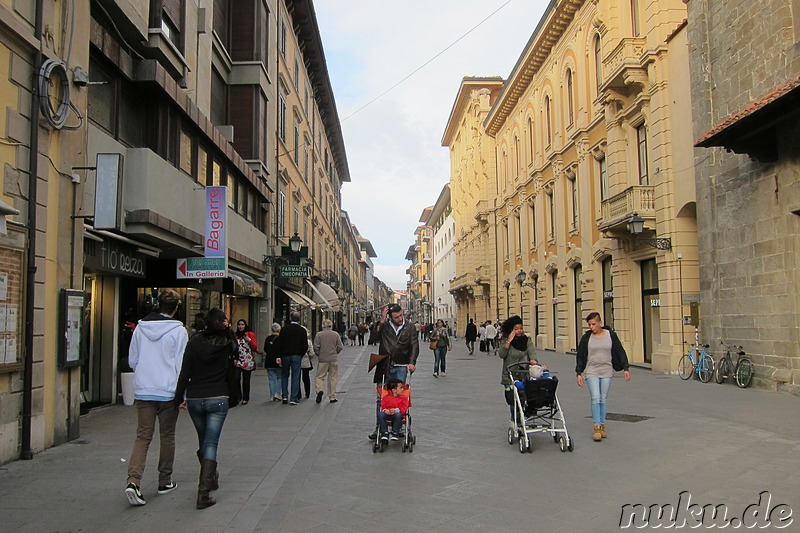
(293, 271)
(216, 243)
(113, 257)
(201, 267)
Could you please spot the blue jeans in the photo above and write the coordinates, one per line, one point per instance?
(439, 355)
(208, 415)
(274, 375)
(395, 372)
(291, 363)
(598, 392)
(397, 422)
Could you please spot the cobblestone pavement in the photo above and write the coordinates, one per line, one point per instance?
(310, 467)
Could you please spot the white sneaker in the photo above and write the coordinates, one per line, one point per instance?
(443, 374)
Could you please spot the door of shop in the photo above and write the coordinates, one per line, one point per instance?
(98, 383)
(651, 308)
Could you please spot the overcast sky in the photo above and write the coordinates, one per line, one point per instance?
(397, 164)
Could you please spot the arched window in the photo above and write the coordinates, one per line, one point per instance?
(517, 156)
(547, 122)
(598, 62)
(570, 99)
(530, 137)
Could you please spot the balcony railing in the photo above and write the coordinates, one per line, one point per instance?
(617, 210)
(623, 65)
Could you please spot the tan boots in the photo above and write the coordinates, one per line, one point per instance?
(207, 471)
(599, 432)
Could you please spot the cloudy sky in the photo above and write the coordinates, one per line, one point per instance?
(397, 163)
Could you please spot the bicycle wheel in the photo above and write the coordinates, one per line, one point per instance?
(705, 368)
(723, 369)
(744, 373)
(685, 367)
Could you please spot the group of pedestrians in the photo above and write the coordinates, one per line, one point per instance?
(207, 375)
(210, 373)
(488, 334)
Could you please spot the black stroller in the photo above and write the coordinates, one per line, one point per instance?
(536, 409)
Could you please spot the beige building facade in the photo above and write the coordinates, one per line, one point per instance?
(592, 129)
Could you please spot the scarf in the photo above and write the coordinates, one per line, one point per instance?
(520, 343)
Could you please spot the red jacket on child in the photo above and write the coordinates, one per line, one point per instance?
(390, 401)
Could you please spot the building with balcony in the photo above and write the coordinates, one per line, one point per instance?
(588, 133)
(442, 256)
(745, 91)
(473, 191)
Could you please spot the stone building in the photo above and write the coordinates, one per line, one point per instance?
(473, 192)
(745, 64)
(442, 257)
(590, 131)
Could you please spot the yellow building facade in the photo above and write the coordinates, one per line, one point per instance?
(591, 130)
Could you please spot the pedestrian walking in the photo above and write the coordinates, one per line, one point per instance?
(155, 355)
(271, 363)
(600, 353)
(307, 365)
(204, 391)
(470, 335)
(482, 337)
(327, 346)
(491, 337)
(440, 336)
(518, 347)
(245, 362)
(292, 343)
(362, 329)
(352, 333)
(399, 342)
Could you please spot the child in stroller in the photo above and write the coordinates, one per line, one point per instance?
(395, 402)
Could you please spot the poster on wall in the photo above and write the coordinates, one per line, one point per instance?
(72, 305)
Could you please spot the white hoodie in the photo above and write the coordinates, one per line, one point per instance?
(156, 355)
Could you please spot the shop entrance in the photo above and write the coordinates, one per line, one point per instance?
(651, 308)
(98, 383)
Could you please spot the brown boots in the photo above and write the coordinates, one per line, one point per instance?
(208, 469)
(599, 432)
(215, 481)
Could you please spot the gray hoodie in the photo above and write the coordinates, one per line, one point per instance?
(156, 355)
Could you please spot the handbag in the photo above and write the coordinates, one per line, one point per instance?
(433, 345)
(244, 358)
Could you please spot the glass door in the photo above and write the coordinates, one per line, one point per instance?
(651, 308)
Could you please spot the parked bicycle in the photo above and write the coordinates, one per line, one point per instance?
(741, 372)
(697, 361)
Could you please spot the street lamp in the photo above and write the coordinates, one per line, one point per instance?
(520, 277)
(636, 226)
(295, 242)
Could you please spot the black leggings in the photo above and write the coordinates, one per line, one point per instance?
(245, 383)
(307, 380)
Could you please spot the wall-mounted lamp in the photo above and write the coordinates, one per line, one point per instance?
(636, 226)
(470, 291)
(521, 276)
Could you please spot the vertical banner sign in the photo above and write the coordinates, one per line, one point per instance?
(216, 244)
(108, 191)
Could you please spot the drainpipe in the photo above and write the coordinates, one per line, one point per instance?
(30, 279)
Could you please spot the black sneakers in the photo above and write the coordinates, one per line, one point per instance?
(319, 396)
(169, 487)
(134, 495)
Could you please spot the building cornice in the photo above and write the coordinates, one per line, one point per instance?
(554, 22)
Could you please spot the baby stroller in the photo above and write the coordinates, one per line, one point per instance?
(408, 438)
(536, 408)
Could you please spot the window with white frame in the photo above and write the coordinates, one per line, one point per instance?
(602, 170)
(641, 143)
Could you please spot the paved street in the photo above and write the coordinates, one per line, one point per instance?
(310, 467)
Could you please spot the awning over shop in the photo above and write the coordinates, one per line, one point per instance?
(299, 298)
(244, 284)
(325, 295)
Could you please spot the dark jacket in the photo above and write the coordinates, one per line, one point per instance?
(471, 333)
(205, 366)
(403, 348)
(293, 340)
(619, 359)
(271, 352)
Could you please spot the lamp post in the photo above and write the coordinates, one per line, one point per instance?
(636, 226)
(520, 277)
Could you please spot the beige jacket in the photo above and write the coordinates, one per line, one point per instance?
(327, 345)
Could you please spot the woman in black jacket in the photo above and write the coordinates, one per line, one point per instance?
(600, 353)
(203, 379)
